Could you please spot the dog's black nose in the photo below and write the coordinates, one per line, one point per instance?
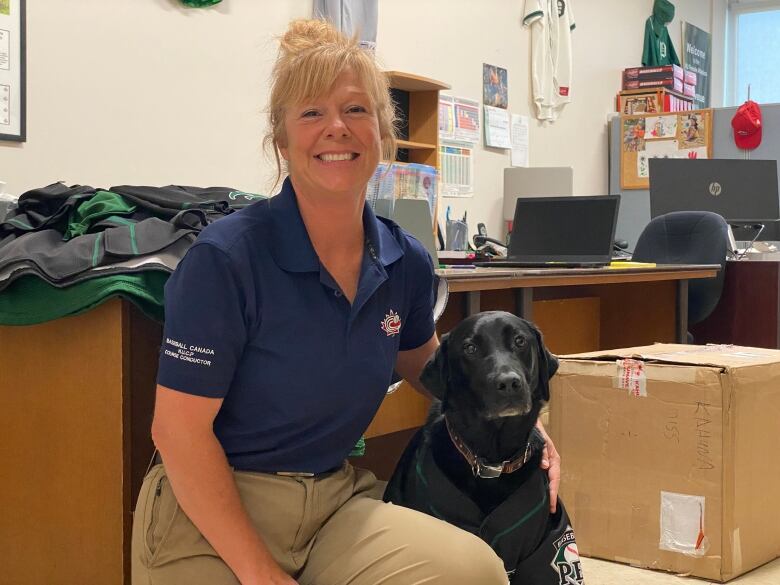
(508, 382)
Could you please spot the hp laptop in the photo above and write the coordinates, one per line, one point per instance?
(561, 232)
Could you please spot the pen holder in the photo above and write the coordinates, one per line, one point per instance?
(457, 235)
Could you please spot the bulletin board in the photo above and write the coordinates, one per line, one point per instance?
(661, 135)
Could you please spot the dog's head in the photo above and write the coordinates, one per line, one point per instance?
(493, 364)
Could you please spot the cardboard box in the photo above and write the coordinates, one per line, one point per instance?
(689, 77)
(648, 101)
(654, 72)
(672, 83)
(670, 455)
(689, 90)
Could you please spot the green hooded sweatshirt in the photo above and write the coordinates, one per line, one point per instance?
(659, 49)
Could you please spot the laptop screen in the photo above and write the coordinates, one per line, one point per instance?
(578, 228)
(740, 190)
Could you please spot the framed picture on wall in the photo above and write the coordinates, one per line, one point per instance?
(12, 70)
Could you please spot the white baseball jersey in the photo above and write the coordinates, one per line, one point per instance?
(551, 23)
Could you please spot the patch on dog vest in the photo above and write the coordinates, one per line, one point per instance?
(567, 559)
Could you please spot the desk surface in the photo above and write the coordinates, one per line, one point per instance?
(460, 280)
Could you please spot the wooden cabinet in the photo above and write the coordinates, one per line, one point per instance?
(417, 101)
(748, 312)
(77, 396)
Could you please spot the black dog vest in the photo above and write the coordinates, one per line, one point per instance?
(536, 547)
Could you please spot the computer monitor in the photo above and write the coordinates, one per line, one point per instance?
(742, 191)
(535, 182)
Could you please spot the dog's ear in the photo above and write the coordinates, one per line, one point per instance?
(435, 375)
(548, 365)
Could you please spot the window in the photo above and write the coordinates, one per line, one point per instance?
(753, 51)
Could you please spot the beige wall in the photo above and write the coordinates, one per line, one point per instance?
(148, 92)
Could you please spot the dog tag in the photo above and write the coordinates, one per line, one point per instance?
(485, 471)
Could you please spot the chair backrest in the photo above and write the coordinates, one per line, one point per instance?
(688, 237)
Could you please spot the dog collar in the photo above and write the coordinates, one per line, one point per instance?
(479, 466)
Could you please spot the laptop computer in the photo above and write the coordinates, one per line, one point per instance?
(561, 232)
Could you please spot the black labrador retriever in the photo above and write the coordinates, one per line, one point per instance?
(476, 461)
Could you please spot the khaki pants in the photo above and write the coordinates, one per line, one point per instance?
(327, 530)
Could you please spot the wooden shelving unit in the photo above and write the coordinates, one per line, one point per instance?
(417, 100)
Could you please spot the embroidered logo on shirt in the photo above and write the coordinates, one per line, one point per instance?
(567, 559)
(392, 324)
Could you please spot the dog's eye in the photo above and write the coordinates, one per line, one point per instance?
(469, 348)
(520, 341)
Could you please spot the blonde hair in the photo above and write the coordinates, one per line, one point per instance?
(312, 54)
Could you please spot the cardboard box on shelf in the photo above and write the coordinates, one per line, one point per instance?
(670, 458)
(689, 77)
(655, 72)
(672, 83)
(646, 101)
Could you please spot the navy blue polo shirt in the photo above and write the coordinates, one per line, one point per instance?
(253, 317)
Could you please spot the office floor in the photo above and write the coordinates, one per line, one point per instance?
(598, 572)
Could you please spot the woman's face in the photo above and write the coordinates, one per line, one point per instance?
(332, 142)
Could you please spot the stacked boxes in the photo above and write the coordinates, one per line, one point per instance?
(667, 88)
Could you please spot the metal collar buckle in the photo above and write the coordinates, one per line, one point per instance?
(486, 471)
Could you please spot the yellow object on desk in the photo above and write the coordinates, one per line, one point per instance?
(629, 264)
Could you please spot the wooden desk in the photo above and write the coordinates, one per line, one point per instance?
(551, 283)
(748, 312)
(77, 397)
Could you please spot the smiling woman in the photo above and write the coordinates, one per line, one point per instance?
(332, 142)
(304, 72)
(305, 305)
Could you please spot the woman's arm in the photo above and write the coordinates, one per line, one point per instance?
(204, 486)
(409, 364)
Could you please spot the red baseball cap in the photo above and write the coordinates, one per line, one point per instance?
(747, 125)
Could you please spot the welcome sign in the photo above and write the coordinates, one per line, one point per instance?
(697, 57)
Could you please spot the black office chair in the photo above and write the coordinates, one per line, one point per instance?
(689, 237)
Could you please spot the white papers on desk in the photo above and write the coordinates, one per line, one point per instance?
(520, 141)
(497, 127)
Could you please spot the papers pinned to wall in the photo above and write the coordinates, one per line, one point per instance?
(520, 141)
(458, 119)
(446, 117)
(497, 127)
(457, 170)
(459, 133)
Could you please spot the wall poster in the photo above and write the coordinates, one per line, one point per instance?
(12, 70)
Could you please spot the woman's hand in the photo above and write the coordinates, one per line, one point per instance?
(551, 461)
